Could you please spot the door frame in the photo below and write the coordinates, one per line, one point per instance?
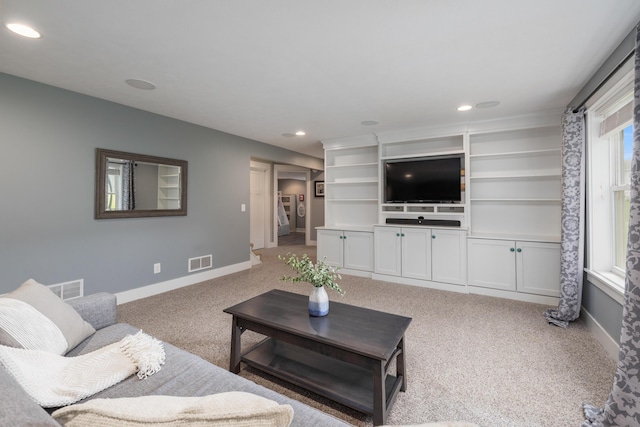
(274, 197)
(265, 168)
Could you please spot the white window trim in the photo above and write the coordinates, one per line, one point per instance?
(607, 278)
(608, 282)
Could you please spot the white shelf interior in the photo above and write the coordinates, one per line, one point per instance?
(423, 147)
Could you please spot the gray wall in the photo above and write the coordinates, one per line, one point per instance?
(48, 138)
(316, 204)
(603, 308)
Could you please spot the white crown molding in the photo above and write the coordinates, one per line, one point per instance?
(352, 141)
(540, 119)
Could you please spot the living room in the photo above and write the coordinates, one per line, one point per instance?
(52, 126)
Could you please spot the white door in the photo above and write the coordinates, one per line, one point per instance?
(448, 256)
(538, 268)
(257, 186)
(388, 251)
(416, 253)
(358, 250)
(330, 247)
(492, 263)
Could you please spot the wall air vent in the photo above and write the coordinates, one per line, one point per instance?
(200, 263)
(68, 290)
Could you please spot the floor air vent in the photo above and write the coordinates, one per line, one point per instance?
(68, 290)
(200, 263)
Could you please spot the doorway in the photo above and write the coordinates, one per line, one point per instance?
(292, 218)
(259, 205)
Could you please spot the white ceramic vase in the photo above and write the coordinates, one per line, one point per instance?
(318, 302)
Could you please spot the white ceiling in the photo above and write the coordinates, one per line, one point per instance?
(261, 68)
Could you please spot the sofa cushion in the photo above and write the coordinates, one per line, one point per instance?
(234, 409)
(69, 322)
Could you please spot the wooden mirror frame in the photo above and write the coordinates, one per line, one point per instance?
(100, 180)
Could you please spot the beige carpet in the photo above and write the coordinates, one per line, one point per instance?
(471, 358)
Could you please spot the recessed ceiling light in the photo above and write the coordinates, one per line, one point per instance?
(23, 30)
(465, 108)
(369, 122)
(140, 84)
(301, 133)
(488, 104)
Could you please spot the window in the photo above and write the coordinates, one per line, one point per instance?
(622, 145)
(114, 186)
(609, 128)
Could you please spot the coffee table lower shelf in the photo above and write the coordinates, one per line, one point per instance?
(342, 382)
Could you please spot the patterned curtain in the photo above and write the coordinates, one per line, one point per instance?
(623, 406)
(128, 186)
(572, 235)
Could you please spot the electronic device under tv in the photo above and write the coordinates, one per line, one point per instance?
(423, 180)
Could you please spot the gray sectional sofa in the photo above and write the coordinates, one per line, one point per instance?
(183, 374)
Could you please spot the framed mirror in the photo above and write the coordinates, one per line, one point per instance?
(132, 185)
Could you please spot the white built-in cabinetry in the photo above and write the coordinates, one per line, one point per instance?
(393, 148)
(351, 184)
(520, 266)
(515, 185)
(423, 254)
(351, 251)
(515, 205)
(507, 243)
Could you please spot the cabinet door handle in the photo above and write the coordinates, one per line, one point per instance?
(397, 234)
(511, 249)
(344, 237)
(402, 234)
(433, 236)
(519, 249)
(341, 237)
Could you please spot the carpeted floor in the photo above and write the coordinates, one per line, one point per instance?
(472, 358)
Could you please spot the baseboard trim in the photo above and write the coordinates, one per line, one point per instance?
(610, 345)
(517, 296)
(359, 273)
(180, 282)
(422, 283)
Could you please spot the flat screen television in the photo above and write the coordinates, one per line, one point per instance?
(423, 180)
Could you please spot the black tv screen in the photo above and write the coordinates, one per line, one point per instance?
(424, 180)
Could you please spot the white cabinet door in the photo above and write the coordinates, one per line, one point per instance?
(358, 250)
(330, 245)
(538, 268)
(492, 264)
(416, 253)
(449, 256)
(387, 252)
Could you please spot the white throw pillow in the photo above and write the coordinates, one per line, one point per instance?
(73, 328)
(232, 409)
(22, 326)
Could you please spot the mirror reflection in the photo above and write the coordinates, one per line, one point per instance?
(135, 185)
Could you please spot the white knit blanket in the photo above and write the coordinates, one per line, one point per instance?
(54, 380)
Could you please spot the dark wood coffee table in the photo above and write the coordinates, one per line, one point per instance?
(344, 356)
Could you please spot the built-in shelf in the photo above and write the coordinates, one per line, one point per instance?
(518, 200)
(540, 175)
(353, 200)
(351, 166)
(515, 183)
(352, 181)
(430, 154)
(516, 153)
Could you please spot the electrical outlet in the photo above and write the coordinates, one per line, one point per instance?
(243, 207)
(156, 268)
